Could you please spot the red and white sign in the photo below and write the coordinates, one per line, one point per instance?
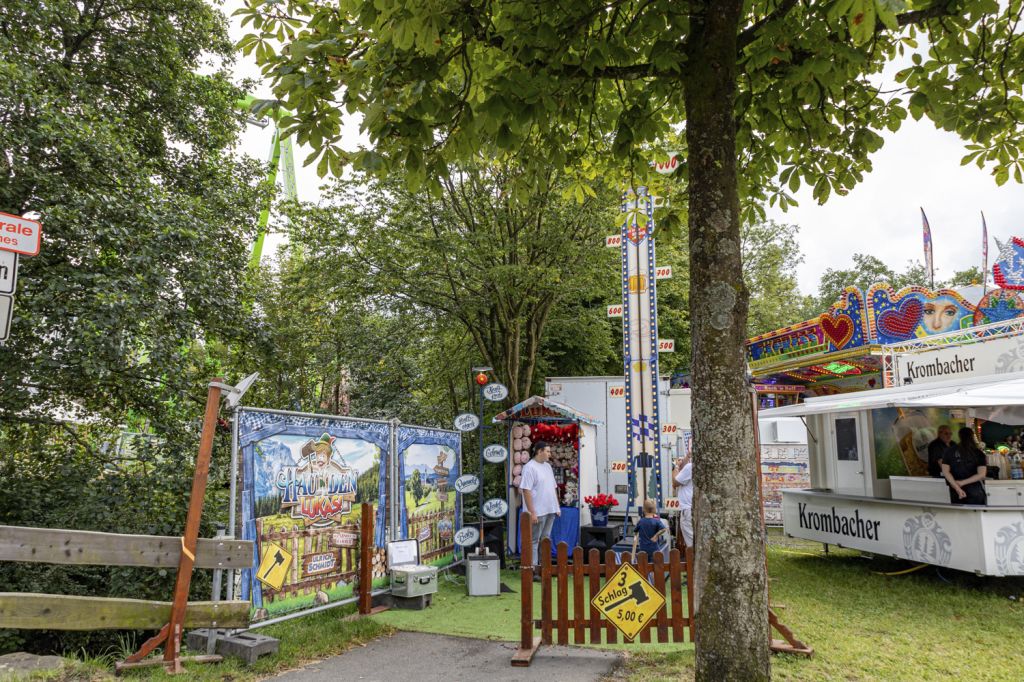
(666, 346)
(615, 310)
(613, 242)
(616, 391)
(20, 235)
(619, 465)
(664, 272)
(666, 167)
(672, 503)
(669, 428)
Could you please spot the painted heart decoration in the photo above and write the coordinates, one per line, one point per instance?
(838, 329)
(900, 322)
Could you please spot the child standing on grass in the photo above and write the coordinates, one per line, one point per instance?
(649, 530)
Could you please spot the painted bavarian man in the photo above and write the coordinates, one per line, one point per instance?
(442, 476)
(319, 452)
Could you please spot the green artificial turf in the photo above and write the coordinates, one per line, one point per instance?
(453, 612)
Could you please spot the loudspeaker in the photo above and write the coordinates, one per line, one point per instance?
(494, 538)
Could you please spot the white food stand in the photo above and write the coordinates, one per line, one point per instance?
(850, 505)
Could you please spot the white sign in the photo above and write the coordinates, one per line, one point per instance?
(467, 421)
(615, 310)
(667, 167)
(997, 356)
(6, 310)
(20, 235)
(424, 534)
(8, 272)
(614, 241)
(495, 392)
(663, 272)
(466, 536)
(616, 391)
(466, 483)
(495, 454)
(666, 346)
(495, 508)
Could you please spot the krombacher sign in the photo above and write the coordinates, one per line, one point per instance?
(851, 525)
(983, 358)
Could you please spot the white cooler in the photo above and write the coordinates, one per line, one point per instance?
(483, 575)
(408, 577)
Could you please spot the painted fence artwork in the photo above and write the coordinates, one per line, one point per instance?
(430, 510)
(305, 479)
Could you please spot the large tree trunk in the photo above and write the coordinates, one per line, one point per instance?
(731, 582)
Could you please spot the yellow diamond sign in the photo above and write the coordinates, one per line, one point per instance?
(274, 566)
(628, 601)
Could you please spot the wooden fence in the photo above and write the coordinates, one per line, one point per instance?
(584, 577)
(31, 611)
(433, 546)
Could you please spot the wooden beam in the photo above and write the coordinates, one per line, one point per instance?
(60, 546)
(63, 612)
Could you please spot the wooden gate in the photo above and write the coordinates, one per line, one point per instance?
(583, 577)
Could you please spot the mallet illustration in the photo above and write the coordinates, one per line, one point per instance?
(636, 593)
(278, 560)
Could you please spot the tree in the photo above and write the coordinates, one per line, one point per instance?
(416, 487)
(469, 255)
(789, 91)
(125, 152)
(770, 256)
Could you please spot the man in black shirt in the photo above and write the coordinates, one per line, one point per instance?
(937, 448)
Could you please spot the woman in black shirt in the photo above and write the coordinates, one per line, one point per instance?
(964, 469)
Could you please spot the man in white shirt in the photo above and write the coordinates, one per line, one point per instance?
(540, 495)
(682, 474)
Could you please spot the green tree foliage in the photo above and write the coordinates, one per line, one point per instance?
(109, 133)
(468, 256)
(790, 92)
(867, 270)
(770, 256)
(415, 486)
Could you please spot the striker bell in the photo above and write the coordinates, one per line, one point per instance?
(481, 379)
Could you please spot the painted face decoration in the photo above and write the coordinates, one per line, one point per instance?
(940, 315)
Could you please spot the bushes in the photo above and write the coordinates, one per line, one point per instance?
(54, 477)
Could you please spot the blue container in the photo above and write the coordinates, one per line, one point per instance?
(599, 517)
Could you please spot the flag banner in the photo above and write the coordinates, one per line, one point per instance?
(929, 263)
(984, 254)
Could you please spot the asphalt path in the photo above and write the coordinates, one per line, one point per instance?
(425, 657)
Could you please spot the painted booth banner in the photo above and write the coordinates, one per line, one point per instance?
(902, 435)
(430, 508)
(304, 478)
(914, 312)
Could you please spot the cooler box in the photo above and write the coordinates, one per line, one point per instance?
(408, 577)
(483, 575)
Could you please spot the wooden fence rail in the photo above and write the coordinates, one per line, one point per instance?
(83, 547)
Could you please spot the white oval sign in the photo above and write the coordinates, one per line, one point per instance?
(495, 391)
(495, 508)
(495, 454)
(467, 535)
(466, 483)
(467, 421)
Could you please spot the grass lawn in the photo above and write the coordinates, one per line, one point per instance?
(922, 626)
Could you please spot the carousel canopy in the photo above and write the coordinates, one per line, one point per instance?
(542, 409)
(997, 398)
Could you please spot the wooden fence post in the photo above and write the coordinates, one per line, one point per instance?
(528, 644)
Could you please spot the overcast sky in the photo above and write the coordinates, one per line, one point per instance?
(918, 167)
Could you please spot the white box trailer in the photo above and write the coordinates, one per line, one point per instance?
(783, 440)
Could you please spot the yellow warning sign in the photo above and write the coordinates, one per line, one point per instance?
(628, 601)
(274, 566)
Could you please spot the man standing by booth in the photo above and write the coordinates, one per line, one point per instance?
(682, 475)
(540, 495)
(938, 448)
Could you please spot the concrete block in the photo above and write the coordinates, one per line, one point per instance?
(413, 603)
(247, 646)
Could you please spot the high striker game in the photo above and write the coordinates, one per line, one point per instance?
(640, 348)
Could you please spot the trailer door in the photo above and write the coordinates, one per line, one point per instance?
(849, 453)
